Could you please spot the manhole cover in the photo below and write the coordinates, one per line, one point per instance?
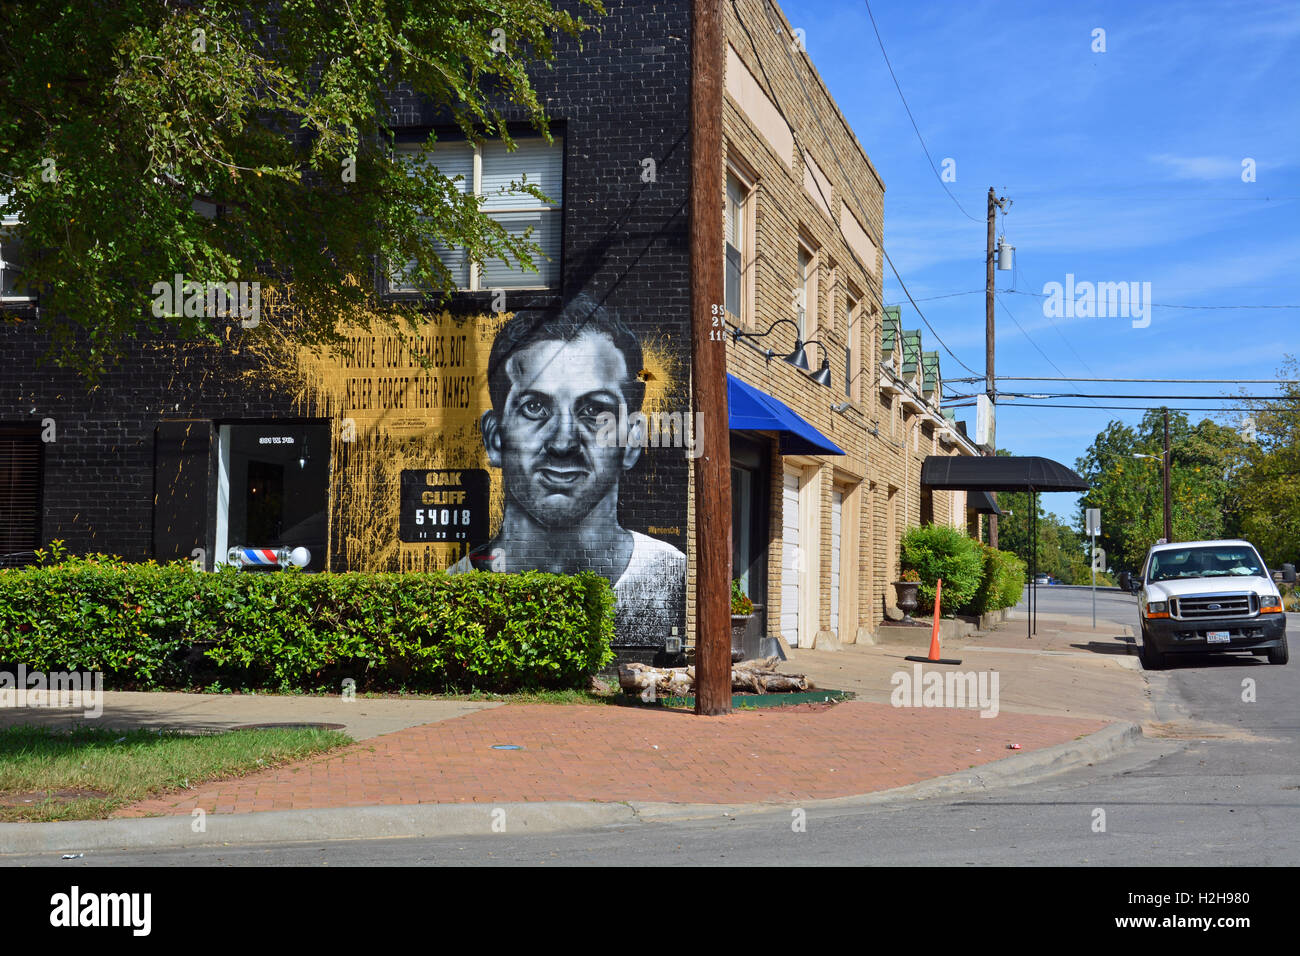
(290, 726)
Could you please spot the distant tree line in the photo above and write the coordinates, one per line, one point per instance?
(1239, 479)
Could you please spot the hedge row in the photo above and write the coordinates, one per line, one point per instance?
(157, 626)
(976, 578)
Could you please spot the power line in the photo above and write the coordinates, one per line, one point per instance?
(1089, 408)
(949, 295)
(1181, 381)
(868, 270)
(1195, 398)
(847, 180)
(922, 314)
(1064, 197)
(924, 148)
(1167, 305)
(1031, 341)
(1052, 322)
(1160, 305)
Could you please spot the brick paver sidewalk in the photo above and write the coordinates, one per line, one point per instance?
(609, 753)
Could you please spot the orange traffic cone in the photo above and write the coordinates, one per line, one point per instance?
(934, 657)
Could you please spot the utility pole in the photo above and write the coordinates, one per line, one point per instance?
(990, 381)
(709, 369)
(1169, 518)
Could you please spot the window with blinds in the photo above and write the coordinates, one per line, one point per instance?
(20, 496)
(490, 172)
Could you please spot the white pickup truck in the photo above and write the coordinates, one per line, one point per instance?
(1207, 597)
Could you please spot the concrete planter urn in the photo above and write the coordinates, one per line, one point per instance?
(908, 598)
(739, 624)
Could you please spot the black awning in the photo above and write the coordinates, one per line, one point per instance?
(999, 473)
(982, 501)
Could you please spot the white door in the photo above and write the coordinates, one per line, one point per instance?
(837, 510)
(791, 563)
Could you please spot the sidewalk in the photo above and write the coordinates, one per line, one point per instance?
(362, 718)
(1064, 706)
(1068, 669)
(611, 753)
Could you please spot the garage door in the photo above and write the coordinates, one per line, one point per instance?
(837, 511)
(790, 563)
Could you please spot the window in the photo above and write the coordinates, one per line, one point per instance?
(737, 231)
(20, 496)
(488, 171)
(12, 257)
(853, 350)
(805, 299)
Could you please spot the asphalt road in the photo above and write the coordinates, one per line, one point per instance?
(1223, 791)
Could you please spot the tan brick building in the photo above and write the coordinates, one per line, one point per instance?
(815, 535)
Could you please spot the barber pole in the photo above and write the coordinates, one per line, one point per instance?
(268, 557)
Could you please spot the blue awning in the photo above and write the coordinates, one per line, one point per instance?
(749, 409)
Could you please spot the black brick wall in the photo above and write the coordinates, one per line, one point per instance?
(622, 98)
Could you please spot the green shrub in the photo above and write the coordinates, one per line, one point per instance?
(938, 551)
(1002, 581)
(153, 625)
(1012, 574)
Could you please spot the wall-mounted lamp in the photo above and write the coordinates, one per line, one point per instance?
(799, 357)
(823, 375)
(302, 456)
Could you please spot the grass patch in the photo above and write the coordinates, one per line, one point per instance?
(87, 773)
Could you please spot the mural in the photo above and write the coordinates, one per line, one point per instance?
(554, 382)
(501, 442)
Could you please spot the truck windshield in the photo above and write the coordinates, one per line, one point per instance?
(1203, 562)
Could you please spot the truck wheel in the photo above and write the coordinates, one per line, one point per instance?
(1279, 655)
(1152, 659)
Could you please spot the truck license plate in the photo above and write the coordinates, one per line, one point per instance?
(1217, 637)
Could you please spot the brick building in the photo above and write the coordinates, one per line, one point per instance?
(815, 535)
(374, 461)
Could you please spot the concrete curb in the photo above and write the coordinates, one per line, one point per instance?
(296, 826)
(478, 819)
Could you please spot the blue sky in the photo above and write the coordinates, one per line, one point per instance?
(1123, 166)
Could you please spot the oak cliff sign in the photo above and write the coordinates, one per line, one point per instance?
(445, 505)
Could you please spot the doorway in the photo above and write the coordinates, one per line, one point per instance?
(273, 488)
(750, 495)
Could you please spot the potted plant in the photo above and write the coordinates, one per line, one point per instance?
(742, 609)
(907, 590)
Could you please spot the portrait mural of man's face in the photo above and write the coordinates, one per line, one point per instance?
(534, 440)
(553, 381)
(544, 438)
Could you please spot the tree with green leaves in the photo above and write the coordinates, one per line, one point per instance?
(1061, 552)
(1205, 460)
(249, 140)
(1266, 484)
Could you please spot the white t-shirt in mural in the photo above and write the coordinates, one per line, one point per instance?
(650, 592)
